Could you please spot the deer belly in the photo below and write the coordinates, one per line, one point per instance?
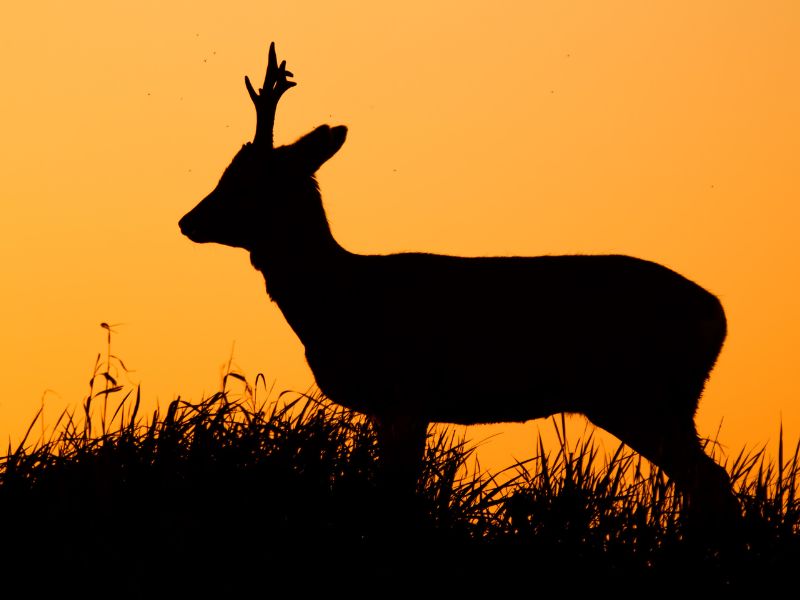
(490, 385)
(451, 387)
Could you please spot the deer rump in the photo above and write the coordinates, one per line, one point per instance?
(482, 340)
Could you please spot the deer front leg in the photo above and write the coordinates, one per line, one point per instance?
(401, 445)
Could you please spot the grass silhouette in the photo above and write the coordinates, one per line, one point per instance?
(240, 493)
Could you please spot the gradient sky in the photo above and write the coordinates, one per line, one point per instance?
(668, 131)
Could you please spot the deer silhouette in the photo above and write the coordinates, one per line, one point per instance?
(414, 338)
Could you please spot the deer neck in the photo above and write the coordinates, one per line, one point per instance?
(297, 260)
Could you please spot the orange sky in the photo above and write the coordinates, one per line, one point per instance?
(668, 133)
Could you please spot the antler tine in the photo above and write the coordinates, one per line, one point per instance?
(266, 100)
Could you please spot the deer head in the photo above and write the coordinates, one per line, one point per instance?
(261, 188)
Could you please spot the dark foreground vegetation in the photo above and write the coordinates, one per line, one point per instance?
(238, 493)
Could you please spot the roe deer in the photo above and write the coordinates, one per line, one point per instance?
(410, 339)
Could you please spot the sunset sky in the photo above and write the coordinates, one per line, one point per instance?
(668, 131)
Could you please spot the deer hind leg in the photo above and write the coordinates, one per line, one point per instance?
(672, 443)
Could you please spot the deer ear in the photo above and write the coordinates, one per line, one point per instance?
(314, 148)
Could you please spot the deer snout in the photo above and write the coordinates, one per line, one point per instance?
(184, 225)
(189, 227)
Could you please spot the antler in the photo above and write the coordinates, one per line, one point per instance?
(266, 100)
